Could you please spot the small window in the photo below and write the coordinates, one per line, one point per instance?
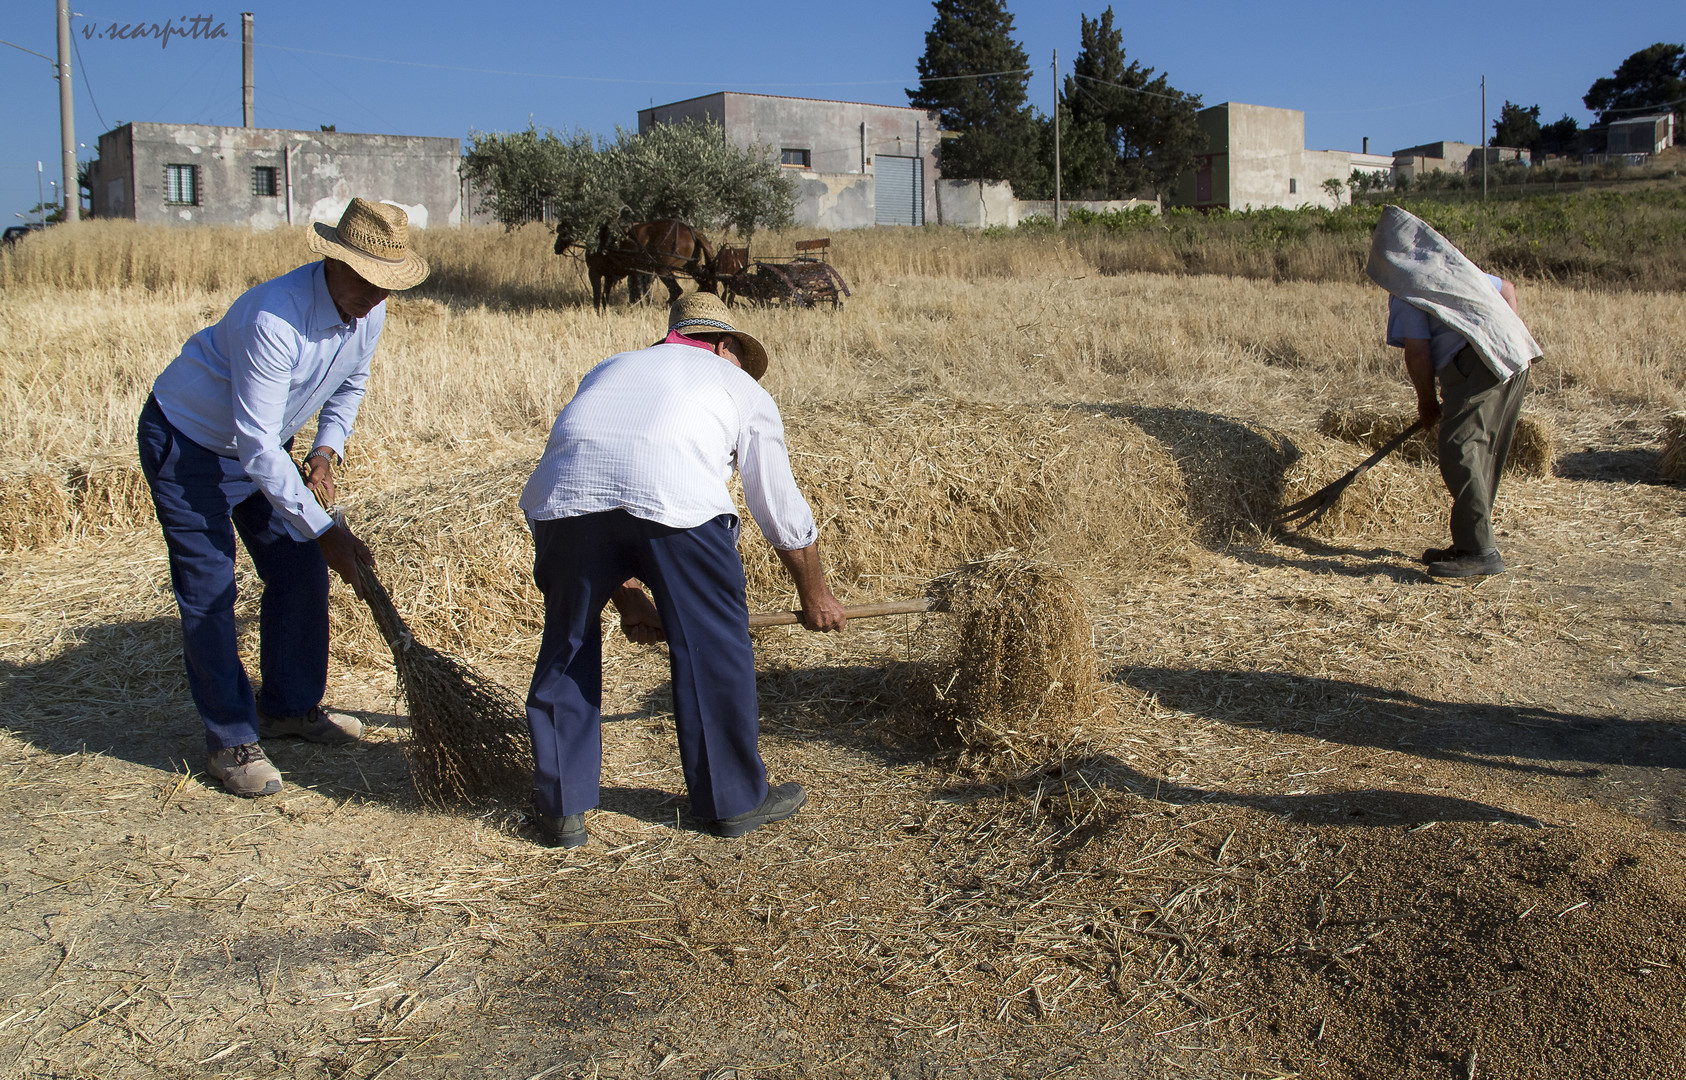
(181, 185)
(796, 159)
(1293, 186)
(266, 180)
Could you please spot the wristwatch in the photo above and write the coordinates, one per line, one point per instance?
(323, 452)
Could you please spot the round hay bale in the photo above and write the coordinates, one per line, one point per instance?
(1673, 462)
(1017, 676)
(34, 512)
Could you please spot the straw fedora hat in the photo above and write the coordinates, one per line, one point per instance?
(374, 240)
(705, 313)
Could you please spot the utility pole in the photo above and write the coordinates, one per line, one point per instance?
(1056, 136)
(1483, 138)
(40, 194)
(246, 69)
(72, 209)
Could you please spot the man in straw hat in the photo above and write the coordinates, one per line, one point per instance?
(216, 437)
(632, 487)
(1460, 326)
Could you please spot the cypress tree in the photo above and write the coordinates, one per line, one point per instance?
(998, 137)
(1147, 126)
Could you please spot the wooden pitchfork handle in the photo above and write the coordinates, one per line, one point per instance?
(864, 611)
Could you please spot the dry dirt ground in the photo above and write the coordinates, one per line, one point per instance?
(1351, 823)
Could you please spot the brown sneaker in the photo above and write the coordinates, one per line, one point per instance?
(244, 770)
(318, 726)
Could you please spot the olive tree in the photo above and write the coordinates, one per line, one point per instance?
(688, 171)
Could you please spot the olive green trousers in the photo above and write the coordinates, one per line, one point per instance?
(1477, 419)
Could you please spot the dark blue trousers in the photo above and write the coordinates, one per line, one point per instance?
(697, 579)
(202, 500)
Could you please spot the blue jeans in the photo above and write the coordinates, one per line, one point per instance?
(202, 500)
(698, 583)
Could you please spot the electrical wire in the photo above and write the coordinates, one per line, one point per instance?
(86, 84)
(605, 79)
(1135, 89)
(1642, 108)
(1387, 108)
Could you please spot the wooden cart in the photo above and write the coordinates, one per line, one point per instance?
(803, 278)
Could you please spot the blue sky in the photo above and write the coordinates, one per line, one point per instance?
(1400, 74)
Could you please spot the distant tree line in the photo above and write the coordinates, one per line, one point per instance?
(1123, 129)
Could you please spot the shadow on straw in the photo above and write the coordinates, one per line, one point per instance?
(1234, 473)
(121, 691)
(1323, 558)
(1515, 738)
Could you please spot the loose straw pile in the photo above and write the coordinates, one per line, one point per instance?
(1017, 664)
(1673, 462)
(1530, 445)
(468, 740)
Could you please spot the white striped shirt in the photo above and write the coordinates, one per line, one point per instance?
(657, 433)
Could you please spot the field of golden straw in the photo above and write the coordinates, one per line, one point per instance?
(1166, 792)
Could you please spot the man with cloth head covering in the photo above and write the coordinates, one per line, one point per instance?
(216, 437)
(632, 488)
(1460, 326)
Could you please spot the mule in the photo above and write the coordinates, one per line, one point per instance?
(646, 250)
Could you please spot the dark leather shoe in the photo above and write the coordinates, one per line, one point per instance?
(782, 801)
(1439, 554)
(1464, 565)
(565, 832)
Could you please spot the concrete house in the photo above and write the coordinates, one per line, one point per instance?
(262, 177)
(1256, 157)
(855, 164)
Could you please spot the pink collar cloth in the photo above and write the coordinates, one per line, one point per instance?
(674, 337)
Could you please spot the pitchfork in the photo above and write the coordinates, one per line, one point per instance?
(1315, 505)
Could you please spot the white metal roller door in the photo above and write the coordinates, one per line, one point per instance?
(898, 190)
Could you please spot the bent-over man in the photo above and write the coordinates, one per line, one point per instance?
(215, 439)
(632, 488)
(1460, 327)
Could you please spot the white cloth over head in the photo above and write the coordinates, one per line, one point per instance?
(1419, 266)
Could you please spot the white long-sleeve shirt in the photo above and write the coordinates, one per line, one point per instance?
(657, 433)
(243, 387)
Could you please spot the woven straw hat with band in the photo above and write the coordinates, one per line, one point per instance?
(705, 313)
(374, 240)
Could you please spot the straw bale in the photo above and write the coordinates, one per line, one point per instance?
(1673, 462)
(34, 512)
(1015, 670)
(1232, 471)
(906, 489)
(1373, 428)
(112, 497)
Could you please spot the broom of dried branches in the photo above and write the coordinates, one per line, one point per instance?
(468, 740)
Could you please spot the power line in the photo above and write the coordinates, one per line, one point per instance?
(86, 84)
(1387, 108)
(1134, 89)
(1643, 108)
(605, 79)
